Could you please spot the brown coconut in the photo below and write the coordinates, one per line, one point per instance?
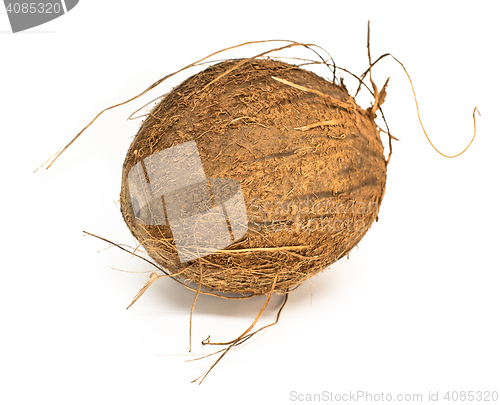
(309, 163)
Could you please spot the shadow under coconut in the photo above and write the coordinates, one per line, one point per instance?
(164, 294)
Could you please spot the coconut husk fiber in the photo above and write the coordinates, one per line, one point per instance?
(309, 163)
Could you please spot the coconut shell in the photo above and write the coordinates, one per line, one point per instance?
(292, 168)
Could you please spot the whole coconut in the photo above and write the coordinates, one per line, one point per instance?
(251, 173)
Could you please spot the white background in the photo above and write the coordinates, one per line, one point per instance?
(414, 309)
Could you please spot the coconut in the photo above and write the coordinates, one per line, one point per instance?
(252, 176)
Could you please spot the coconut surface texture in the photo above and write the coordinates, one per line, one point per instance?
(253, 173)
